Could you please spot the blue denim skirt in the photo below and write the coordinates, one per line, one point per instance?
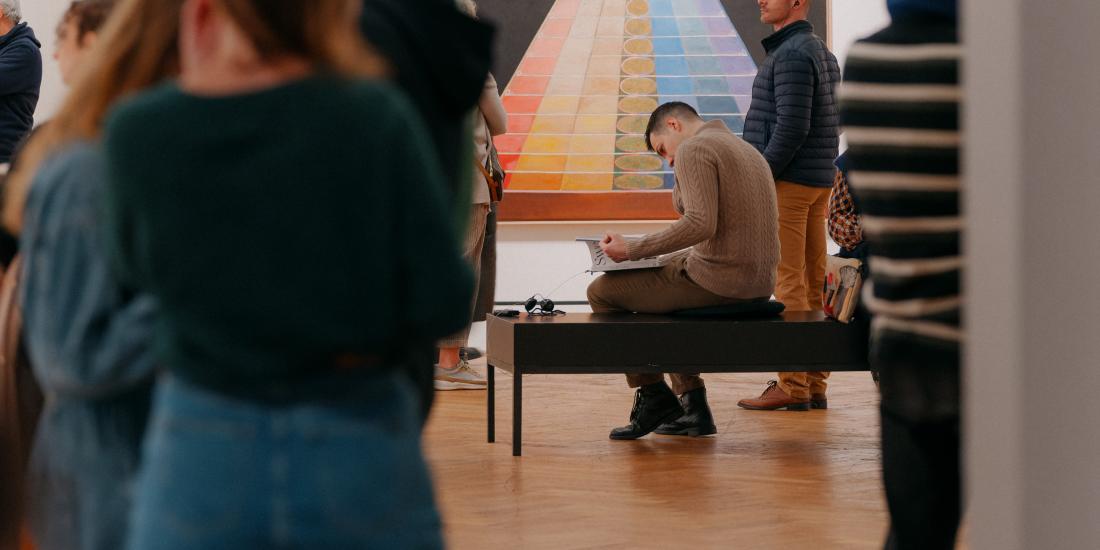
(223, 472)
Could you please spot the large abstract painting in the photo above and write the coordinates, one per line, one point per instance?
(579, 100)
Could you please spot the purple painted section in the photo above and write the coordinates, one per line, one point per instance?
(711, 8)
(743, 102)
(737, 65)
(728, 45)
(741, 85)
(689, 7)
(720, 27)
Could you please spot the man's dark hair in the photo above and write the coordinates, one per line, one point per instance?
(674, 109)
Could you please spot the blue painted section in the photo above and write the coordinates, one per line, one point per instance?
(665, 27)
(670, 179)
(674, 86)
(689, 99)
(711, 86)
(667, 46)
(698, 45)
(692, 26)
(718, 106)
(709, 66)
(736, 123)
(672, 66)
(661, 8)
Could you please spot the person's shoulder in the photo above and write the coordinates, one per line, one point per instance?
(377, 97)
(74, 158)
(75, 170)
(142, 113)
(915, 31)
(703, 145)
(382, 107)
(805, 46)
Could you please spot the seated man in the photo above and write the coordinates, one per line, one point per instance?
(728, 244)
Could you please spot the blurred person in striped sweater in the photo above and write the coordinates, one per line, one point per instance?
(900, 110)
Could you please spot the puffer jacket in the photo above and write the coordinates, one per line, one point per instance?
(793, 120)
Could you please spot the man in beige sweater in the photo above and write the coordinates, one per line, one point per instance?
(726, 247)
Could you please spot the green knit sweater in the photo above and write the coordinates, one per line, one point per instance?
(283, 230)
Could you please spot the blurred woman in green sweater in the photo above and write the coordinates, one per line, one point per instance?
(284, 209)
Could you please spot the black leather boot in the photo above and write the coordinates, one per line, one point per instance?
(654, 404)
(696, 421)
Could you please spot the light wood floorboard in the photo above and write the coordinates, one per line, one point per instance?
(767, 480)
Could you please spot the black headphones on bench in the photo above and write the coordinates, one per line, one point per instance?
(538, 305)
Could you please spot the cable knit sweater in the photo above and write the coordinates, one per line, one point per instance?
(730, 223)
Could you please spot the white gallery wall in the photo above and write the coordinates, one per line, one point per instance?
(42, 16)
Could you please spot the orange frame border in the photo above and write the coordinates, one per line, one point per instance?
(531, 206)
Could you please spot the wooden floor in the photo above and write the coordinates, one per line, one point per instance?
(767, 480)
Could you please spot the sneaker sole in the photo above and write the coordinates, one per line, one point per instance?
(447, 385)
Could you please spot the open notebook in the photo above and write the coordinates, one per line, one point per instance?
(600, 261)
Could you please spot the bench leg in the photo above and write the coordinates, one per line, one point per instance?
(492, 412)
(517, 413)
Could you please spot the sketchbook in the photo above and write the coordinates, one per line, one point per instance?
(600, 261)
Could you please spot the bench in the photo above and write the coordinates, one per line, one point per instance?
(580, 343)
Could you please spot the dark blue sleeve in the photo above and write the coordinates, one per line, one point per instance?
(794, 98)
(20, 68)
(87, 336)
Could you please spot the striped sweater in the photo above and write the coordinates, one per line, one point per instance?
(900, 111)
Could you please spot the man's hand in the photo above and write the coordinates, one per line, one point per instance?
(614, 247)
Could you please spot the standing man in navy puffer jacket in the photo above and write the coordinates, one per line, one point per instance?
(794, 123)
(20, 77)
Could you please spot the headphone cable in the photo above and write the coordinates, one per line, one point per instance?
(564, 283)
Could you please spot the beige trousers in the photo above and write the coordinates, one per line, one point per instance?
(473, 242)
(661, 290)
(802, 219)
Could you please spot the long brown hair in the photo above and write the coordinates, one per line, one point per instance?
(138, 47)
(322, 32)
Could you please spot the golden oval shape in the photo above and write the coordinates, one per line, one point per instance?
(639, 27)
(639, 86)
(631, 144)
(638, 105)
(639, 181)
(632, 124)
(638, 46)
(638, 66)
(638, 163)
(637, 7)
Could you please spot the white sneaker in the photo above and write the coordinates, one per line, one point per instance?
(462, 377)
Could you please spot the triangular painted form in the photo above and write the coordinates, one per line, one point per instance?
(582, 94)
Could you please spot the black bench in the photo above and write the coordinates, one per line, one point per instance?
(581, 343)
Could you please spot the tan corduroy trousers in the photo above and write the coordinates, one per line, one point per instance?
(802, 218)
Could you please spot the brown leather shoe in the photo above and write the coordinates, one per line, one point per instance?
(819, 401)
(774, 399)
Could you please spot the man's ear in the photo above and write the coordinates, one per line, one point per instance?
(673, 123)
